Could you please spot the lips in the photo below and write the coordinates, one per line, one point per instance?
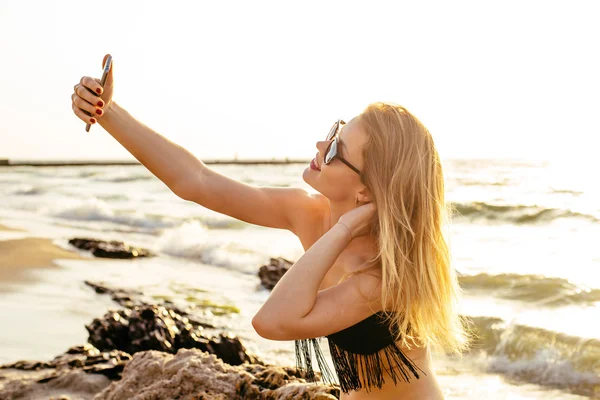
(314, 165)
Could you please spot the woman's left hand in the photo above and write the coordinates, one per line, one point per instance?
(357, 219)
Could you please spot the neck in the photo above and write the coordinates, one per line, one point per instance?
(337, 209)
(360, 244)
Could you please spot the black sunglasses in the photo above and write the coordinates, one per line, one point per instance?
(332, 150)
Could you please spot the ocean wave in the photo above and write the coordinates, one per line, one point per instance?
(112, 197)
(99, 211)
(219, 222)
(538, 355)
(547, 291)
(471, 182)
(127, 178)
(519, 214)
(567, 191)
(88, 174)
(194, 241)
(28, 190)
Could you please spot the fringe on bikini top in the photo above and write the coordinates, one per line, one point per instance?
(357, 356)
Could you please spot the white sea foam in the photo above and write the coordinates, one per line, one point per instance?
(547, 368)
(192, 240)
(27, 190)
(93, 209)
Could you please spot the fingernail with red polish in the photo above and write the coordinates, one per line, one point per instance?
(98, 111)
(98, 90)
(93, 120)
(100, 104)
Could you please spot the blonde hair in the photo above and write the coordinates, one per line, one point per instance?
(419, 286)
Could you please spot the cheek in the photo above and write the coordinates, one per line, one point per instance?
(337, 171)
(336, 179)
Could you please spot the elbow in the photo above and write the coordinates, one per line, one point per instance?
(192, 185)
(182, 190)
(267, 329)
(190, 188)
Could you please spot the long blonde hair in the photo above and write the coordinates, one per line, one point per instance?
(420, 287)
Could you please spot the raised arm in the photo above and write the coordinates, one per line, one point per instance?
(275, 207)
(187, 176)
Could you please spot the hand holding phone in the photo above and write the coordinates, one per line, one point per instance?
(105, 71)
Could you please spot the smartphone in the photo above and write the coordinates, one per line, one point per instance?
(102, 82)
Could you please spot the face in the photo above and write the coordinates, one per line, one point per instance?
(337, 181)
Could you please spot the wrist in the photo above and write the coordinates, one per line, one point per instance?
(345, 229)
(108, 112)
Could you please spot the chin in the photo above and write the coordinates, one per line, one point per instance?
(308, 179)
(306, 175)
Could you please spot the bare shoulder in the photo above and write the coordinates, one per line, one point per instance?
(310, 221)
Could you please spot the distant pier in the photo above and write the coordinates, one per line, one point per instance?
(19, 163)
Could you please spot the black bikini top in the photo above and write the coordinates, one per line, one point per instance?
(357, 355)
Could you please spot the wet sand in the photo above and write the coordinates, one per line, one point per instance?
(20, 257)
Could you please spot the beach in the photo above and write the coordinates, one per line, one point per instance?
(19, 256)
(535, 311)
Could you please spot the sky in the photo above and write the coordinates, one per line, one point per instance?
(257, 79)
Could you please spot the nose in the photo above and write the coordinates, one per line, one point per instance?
(322, 145)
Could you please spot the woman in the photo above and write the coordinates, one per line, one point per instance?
(375, 279)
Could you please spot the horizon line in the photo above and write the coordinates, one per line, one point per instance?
(60, 163)
(5, 162)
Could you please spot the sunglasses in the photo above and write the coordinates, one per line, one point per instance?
(332, 150)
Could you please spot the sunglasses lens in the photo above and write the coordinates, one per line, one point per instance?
(331, 152)
(332, 131)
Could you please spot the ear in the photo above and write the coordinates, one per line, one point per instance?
(364, 195)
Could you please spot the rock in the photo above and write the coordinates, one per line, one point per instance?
(194, 374)
(90, 359)
(271, 273)
(151, 327)
(132, 298)
(109, 249)
(158, 327)
(71, 384)
(87, 358)
(173, 357)
(27, 365)
(125, 298)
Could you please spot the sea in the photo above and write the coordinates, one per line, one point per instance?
(524, 241)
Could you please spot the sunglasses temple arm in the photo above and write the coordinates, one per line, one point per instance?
(349, 165)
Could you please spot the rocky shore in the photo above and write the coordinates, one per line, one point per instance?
(157, 350)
